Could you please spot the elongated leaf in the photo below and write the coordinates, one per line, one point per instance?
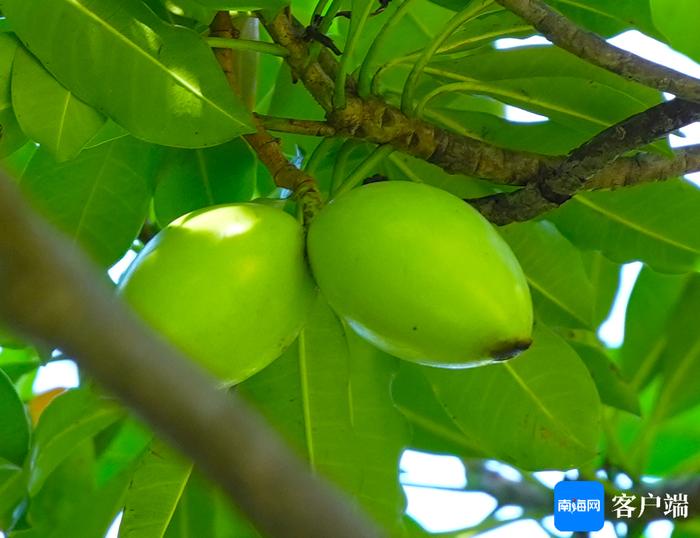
(585, 105)
(330, 397)
(674, 449)
(609, 18)
(11, 136)
(192, 179)
(614, 390)
(16, 362)
(242, 5)
(109, 131)
(652, 302)
(49, 113)
(659, 448)
(161, 82)
(432, 428)
(71, 504)
(675, 18)
(204, 511)
(71, 418)
(561, 289)
(125, 447)
(605, 278)
(154, 492)
(656, 223)
(100, 199)
(681, 358)
(600, 16)
(537, 411)
(14, 426)
(484, 30)
(539, 63)
(13, 489)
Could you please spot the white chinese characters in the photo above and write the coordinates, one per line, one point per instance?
(578, 505)
(675, 505)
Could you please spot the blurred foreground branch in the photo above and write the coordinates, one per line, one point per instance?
(51, 294)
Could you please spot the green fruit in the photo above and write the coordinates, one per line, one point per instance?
(421, 274)
(227, 285)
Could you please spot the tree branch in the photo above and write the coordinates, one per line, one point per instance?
(645, 168)
(592, 48)
(561, 183)
(51, 294)
(296, 126)
(375, 121)
(267, 147)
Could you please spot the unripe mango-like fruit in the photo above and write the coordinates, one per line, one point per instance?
(229, 286)
(421, 274)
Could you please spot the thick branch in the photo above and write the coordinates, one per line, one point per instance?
(645, 168)
(596, 50)
(50, 293)
(375, 121)
(266, 146)
(561, 183)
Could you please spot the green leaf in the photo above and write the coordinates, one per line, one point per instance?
(652, 302)
(17, 362)
(549, 69)
(71, 418)
(155, 489)
(605, 278)
(656, 223)
(600, 16)
(71, 504)
(14, 426)
(330, 398)
(675, 19)
(108, 132)
(49, 113)
(162, 82)
(402, 166)
(204, 511)
(614, 390)
(658, 448)
(13, 489)
(540, 410)
(484, 30)
(609, 18)
(242, 5)
(674, 449)
(16, 163)
(680, 359)
(11, 136)
(128, 443)
(432, 428)
(192, 179)
(561, 289)
(100, 199)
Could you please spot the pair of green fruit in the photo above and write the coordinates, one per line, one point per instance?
(411, 268)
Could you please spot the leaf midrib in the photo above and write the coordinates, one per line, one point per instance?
(121, 37)
(634, 226)
(542, 407)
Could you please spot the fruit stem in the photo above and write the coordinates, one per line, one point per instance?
(267, 147)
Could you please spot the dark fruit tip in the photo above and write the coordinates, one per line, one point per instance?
(509, 349)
